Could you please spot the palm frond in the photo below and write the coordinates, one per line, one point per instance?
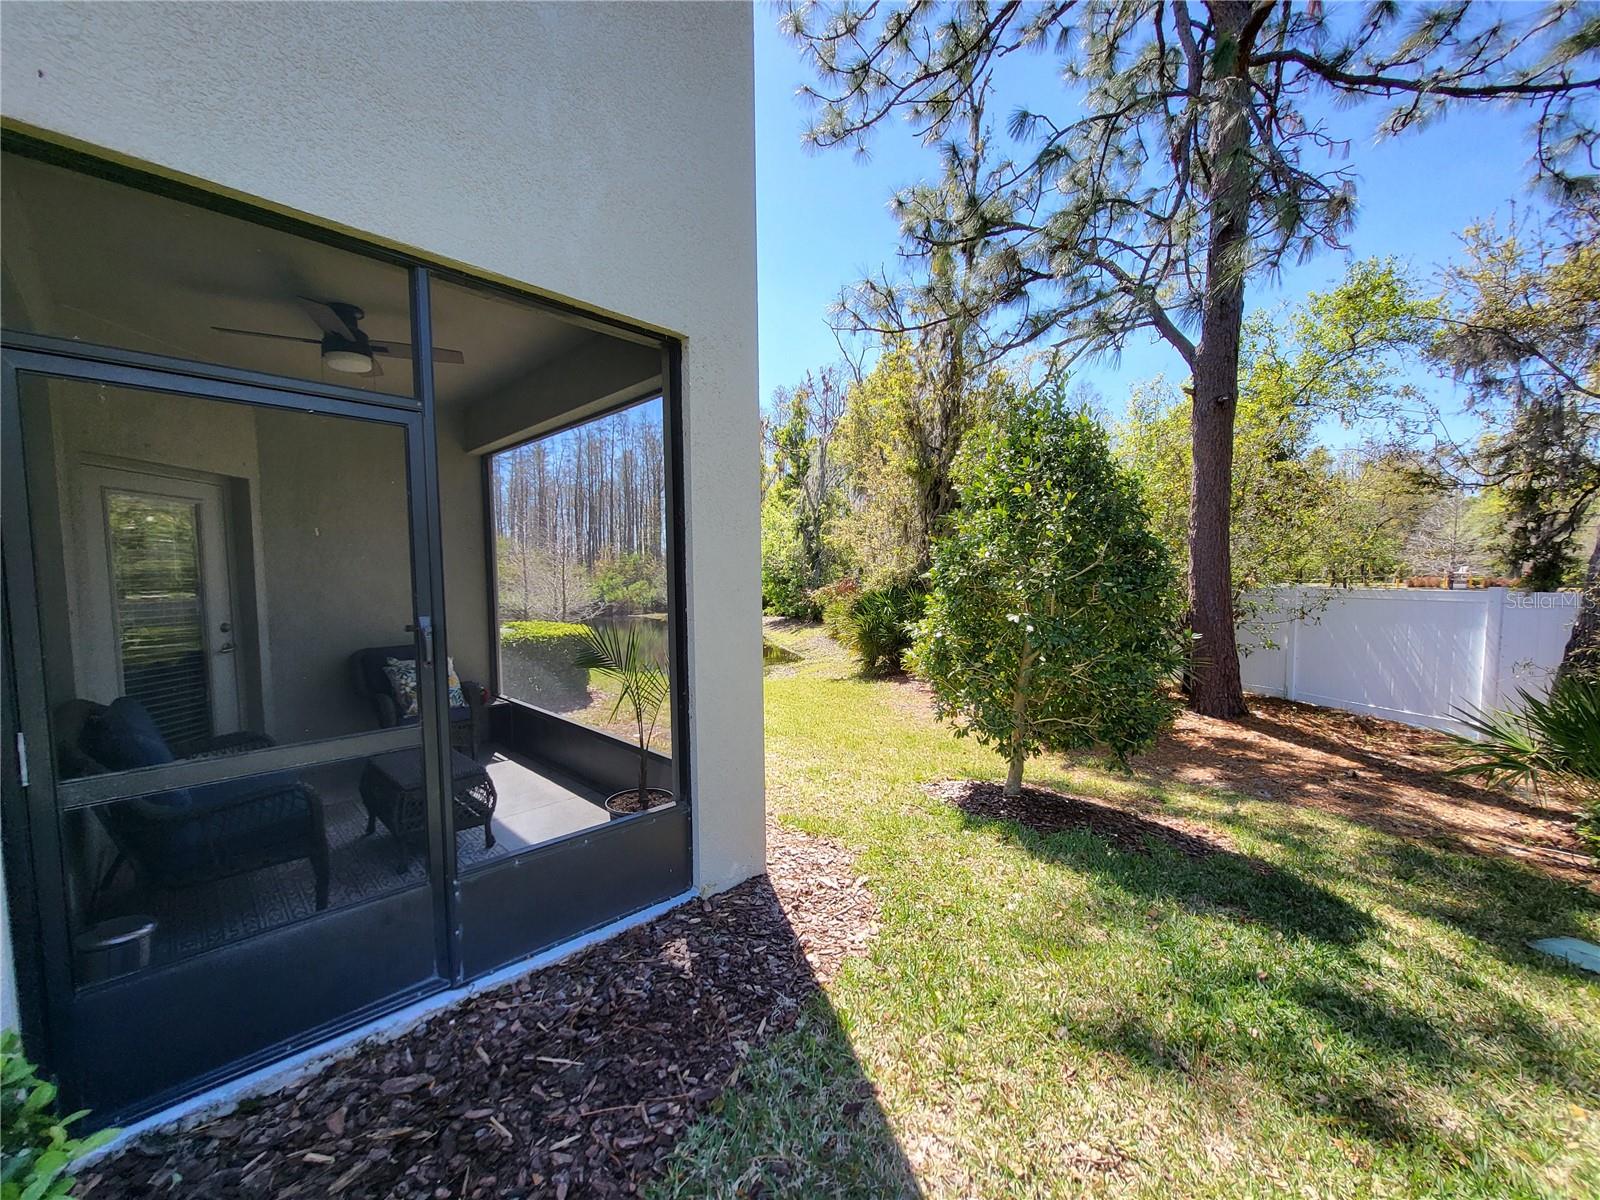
(1552, 740)
(620, 654)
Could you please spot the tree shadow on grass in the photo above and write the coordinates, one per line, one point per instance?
(1337, 1041)
(1075, 832)
(1386, 777)
(1503, 905)
(1337, 1053)
(1365, 1103)
(1421, 761)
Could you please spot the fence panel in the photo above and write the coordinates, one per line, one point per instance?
(1413, 655)
(1533, 634)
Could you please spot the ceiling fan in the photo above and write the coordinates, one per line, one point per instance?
(345, 345)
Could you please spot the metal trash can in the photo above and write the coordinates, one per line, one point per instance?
(116, 947)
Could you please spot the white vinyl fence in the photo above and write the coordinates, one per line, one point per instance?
(1414, 655)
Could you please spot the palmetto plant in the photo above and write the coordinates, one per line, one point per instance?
(619, 654)
(1550, 743)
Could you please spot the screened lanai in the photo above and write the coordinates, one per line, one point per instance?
(303, 542)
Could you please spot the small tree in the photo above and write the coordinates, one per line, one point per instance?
(1054, 617)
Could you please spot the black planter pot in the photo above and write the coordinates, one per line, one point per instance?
(659, 798)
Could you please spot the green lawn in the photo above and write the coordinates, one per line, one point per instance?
(1044, 1016)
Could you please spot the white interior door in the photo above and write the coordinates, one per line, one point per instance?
(158, 602)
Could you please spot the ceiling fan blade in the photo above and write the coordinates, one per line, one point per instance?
(403, 350)
(328, 319)
(277, 337)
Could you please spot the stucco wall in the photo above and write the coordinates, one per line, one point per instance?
(466, 573)
(603, 153)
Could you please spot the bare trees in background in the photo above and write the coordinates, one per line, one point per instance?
(580, 519)
(1448, 539)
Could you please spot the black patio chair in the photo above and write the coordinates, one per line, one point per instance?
(188, 836)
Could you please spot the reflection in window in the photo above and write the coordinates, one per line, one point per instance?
(157, 878)
(580, 539)
(217, 563)
(155, 581)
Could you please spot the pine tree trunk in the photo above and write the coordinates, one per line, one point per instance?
(1215, 688)
(1582, 655)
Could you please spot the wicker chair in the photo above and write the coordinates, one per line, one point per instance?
(188, 836)
(372, 685)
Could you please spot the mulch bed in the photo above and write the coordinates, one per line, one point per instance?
(572, 1082)
(828, 904)
(1047, 811)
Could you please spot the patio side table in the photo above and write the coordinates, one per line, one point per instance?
(394, 792)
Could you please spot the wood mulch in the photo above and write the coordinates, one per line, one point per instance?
(1376, 773)
(828, 904)
(1047, 811)
(575, 1081)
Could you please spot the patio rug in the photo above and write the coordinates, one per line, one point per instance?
(196, 919)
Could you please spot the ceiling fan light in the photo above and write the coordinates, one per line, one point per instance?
(351, 362)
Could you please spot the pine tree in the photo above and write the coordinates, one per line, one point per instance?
(1183, 160)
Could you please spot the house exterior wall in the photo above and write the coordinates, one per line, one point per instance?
(337, 553)
(599, 153)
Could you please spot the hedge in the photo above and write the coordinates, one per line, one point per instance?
(538, 633)
(537, 663)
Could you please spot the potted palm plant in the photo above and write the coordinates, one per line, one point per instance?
(619, 654)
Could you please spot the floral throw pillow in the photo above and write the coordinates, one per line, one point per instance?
(402, 673)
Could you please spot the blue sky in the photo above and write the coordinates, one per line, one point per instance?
(823, 219)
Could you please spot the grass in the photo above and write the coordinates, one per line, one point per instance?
(1045, 1016)
(601, 712)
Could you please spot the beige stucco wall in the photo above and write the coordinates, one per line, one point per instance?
(603, 153)
(337, 553)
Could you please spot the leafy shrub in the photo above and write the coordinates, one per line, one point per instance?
(1054, 619)
(874, 624)
(786, 596)
(1551, 744)
(834, 602)
(35, 1149)
(631, 583)
(538, 663)
(879, 626)
(785, 578)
